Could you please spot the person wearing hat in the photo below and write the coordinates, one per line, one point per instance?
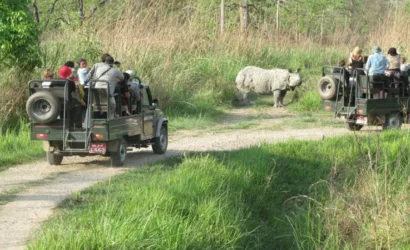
(75, 104)
(356, 60)
(376, 65)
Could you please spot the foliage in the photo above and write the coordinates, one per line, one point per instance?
(16, 147)
(18, 36)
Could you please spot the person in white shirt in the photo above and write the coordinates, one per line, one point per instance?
(82, 71)
(404, 67)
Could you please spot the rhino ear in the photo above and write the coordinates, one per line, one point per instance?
(298, 70)
(290, 70)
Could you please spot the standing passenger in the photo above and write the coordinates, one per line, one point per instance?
(356, 60)
(376, 66)
(106, 72)
(82, 71)
(393, 71)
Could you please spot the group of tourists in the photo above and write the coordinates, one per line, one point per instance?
(390, 69)
(100, 73)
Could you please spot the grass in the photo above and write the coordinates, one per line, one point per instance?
(340, 193)
(16, 147)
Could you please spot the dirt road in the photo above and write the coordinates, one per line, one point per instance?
(29, 193)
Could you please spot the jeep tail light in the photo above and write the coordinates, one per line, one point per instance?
(98, 136)
(328, 108)
(41, 136)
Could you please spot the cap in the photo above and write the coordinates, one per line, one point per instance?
(65, 72)
(376, 49)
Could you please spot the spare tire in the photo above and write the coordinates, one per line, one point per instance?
(327, 87)
(42, 107)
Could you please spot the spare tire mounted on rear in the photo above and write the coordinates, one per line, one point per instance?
(42, 107)
(327, 87)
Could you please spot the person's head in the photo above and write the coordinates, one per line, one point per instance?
(117, 64)
(376, 49)
(48, 74)
(126, 77)
(104, 56)
(357, 51)
(392, 52)
(82, 63)
(342, 63)
(109, 60)
(69, 64)
(131, 73)
(402, 60)
(65, 72)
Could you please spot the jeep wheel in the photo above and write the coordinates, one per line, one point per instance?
(393, 121)
(118, 157)
(353, 126)
(327, 87)
(161, 143)
(42, 107)
(54, 159)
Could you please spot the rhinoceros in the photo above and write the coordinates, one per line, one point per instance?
(265, 81)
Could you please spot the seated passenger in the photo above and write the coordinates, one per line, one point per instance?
(134, 86)
(125, 93)
(48, 74)
(342, 70)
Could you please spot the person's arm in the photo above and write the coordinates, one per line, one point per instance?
(90, 73)
(387, 62)
(369, 62)
(119, 75)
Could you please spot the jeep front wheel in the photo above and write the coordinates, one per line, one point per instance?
(161, 142)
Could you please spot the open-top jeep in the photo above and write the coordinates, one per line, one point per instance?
(53, 108)
(359, 101)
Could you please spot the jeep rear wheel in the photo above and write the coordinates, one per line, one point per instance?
(118, 158)
(54, 159)
(353, 126)
(161, 142)
(393, 121)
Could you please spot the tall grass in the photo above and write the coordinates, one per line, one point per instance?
(340, 193)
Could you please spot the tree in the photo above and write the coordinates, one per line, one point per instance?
(244, 15)
(19, 44)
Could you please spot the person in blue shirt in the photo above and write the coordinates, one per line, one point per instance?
(376, 66)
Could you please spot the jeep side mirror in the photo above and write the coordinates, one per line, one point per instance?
(155, 102)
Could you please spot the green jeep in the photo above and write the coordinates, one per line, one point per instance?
(67, 128)
(357, 100)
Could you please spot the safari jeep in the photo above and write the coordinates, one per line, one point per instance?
(358, 101)
(53, 109)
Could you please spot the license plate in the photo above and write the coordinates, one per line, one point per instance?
(97, 148)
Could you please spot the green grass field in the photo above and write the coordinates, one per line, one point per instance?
(341, 193)
(16, 147)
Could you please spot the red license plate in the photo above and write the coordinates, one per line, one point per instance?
(97, 148)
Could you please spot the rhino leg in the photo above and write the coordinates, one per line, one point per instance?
(281, 96)
(276, 99)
